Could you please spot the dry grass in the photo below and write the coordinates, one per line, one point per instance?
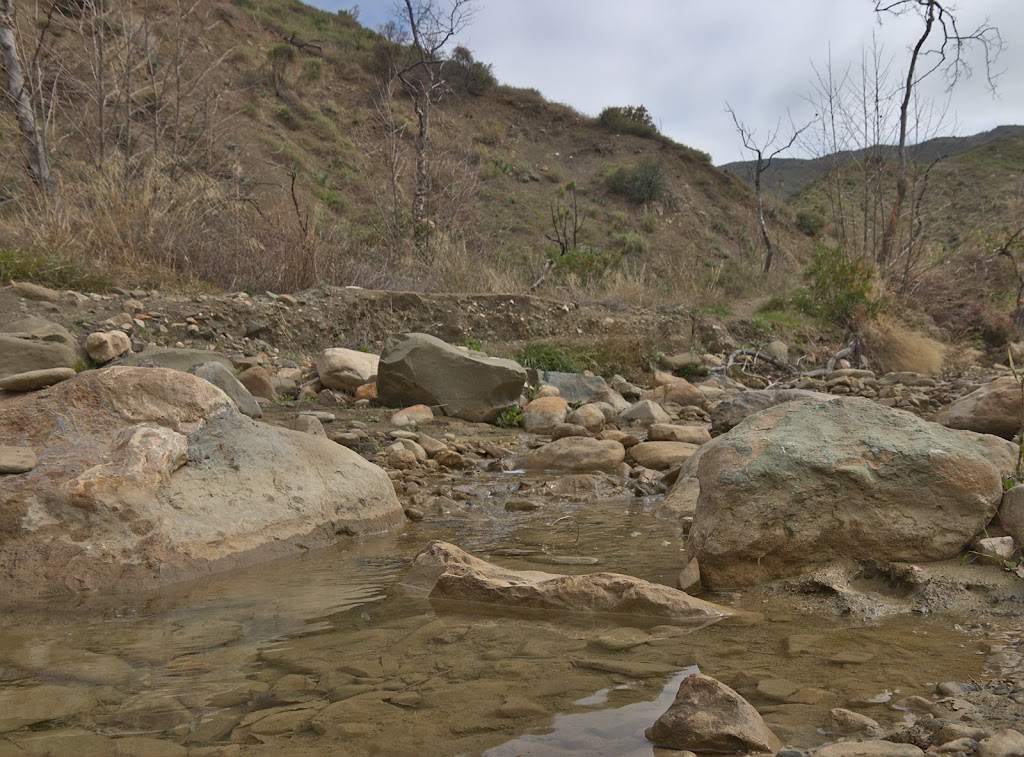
(889, 346)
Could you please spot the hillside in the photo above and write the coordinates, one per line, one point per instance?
(788, 176)
(260, 148)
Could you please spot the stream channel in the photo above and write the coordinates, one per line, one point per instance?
(328, 654)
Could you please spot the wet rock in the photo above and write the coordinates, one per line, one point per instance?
(16, 459)
(224, 379)
(162, 479)
(729, 413)
(621, 639)
(708, 716)
(689, 577)
(419, 368)
(274, 721)
(26, 705)
(32, 381)
(104, 346)
(36, 344)
(577, 454)
(807, 483)
(869, 749)
(449, 458)
(132, 746)
(993, 408)
(1005, 743)
(446, 572)
(662, 455)
(543, 414)
(521, 707)
(667, 432)
(344, 369)
(848, 723)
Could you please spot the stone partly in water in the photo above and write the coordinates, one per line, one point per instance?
(577, 454)
(708, 716)
(662, 455)
(446, 572)
(147, 476)
(422, 369)
(807, 483)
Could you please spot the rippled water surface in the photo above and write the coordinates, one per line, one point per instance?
(328, 654)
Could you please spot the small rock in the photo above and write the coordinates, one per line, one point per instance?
(104, 346)
(412, 416)
(31, 381)
(16, 459)
(1005, 743)
(35, 292)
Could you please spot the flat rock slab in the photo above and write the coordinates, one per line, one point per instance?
(446, 572)
(16, 459)
(31, 381)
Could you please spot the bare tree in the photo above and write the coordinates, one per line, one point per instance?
(35, 147)
(764, 153)
(948, 55)
(432, 25)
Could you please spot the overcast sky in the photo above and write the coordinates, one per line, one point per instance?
(683, 59)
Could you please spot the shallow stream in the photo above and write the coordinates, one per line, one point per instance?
(329, 654)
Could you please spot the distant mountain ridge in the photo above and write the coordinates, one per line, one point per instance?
(787, 176)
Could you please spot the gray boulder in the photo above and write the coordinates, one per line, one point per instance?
(160, 480)
(574, 388)
(36, 344)
(993, 408)
(176, 358)
(807, 483)
(421, 369)
(224, 379)
(731, 412)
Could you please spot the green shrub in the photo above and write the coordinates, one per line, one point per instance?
(840, 289)
(587, 262)
(312, 69)
(552, 357)
(641, 184)
(22, 265)
(511, 418)
(631, 243)
(809, 222)
(629, 119)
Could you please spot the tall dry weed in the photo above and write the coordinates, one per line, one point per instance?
(890, 346)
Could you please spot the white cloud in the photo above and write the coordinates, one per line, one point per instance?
(684, 58)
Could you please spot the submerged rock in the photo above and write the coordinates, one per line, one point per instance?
(446, 572)
(708, 716)
(807, 483)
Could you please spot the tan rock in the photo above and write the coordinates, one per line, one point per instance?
(32, 381)
(708, 716)
(33, 344)
(258, 381)
(104, 346)
(577, 454)
(16, 459)
(680, 392)
(667, 432)
(444, 571)
(993, 408)
(543, 414)
(345, 369)
(869, 749)
(590, 416)
(662, 455)
(35, 292)
(412, 416)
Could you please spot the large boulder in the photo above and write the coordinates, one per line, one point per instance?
(993, 408)
(146, 476)
(577, 454)
(344, 369)
(421, 369)
(708, 716)
(36, 344)
(730, 412)
(806, 483)
(443, 571)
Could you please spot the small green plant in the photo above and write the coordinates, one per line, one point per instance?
(641, 184)
(628, 119)
(474, 344)
(653, 357)
(312, 69)
(840, 288)
(364, 348)
(511, 418)
(551, 357)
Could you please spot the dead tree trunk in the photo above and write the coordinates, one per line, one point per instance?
(35, 148)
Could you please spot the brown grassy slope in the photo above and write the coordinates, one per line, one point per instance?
(205, 189)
